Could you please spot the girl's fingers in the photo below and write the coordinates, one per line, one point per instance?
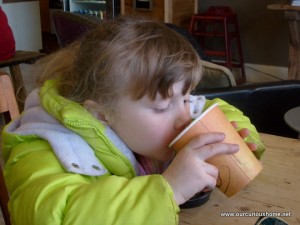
(212, 150)
(234, 124)
(212, 171)
(205, 139)
(253, 147)
(210, 185)
(210, 144)
(244, 132)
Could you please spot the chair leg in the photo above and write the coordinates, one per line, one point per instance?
(240, 53)
(19, 86)
(227, 46)
(191, 28)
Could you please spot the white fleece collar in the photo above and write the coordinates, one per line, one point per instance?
(72, 151)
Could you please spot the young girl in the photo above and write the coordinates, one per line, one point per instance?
(91, 146)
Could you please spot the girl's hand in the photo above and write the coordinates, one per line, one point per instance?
(244, 133)
(188, 173)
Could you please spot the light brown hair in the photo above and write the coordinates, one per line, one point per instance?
(125, 56)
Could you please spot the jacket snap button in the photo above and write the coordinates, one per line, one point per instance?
(96, 167)
(75, 165)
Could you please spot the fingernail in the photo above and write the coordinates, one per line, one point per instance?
(222, 135)
(236, 147)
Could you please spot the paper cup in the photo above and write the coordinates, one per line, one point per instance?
(235, 170)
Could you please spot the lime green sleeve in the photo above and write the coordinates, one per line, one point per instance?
(234, 114)
(42, 192)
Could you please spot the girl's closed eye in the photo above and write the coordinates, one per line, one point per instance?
(162, 109)
(165, 108)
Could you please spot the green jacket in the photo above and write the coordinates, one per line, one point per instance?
(51, 186)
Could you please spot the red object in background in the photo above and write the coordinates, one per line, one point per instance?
(7, 41)
(220, 22)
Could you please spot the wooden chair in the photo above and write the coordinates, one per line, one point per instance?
(13, 63)
(9, 109)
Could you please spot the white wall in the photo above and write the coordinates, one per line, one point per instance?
(24, 19)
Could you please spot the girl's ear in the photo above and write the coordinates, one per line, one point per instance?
(96, 110)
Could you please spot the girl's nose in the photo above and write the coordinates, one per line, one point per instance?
(183, 119)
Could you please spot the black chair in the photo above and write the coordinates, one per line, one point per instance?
(71, 26)
(265, 104)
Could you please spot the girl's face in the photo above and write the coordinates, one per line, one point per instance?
(147, 126)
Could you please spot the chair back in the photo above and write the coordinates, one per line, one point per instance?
(71, 26)
(264, 103)
(9, 109)
(219, 10)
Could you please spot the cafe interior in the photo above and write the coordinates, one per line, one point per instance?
(250, 54)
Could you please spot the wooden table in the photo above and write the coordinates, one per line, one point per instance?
(274, 190)
(292, 14)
